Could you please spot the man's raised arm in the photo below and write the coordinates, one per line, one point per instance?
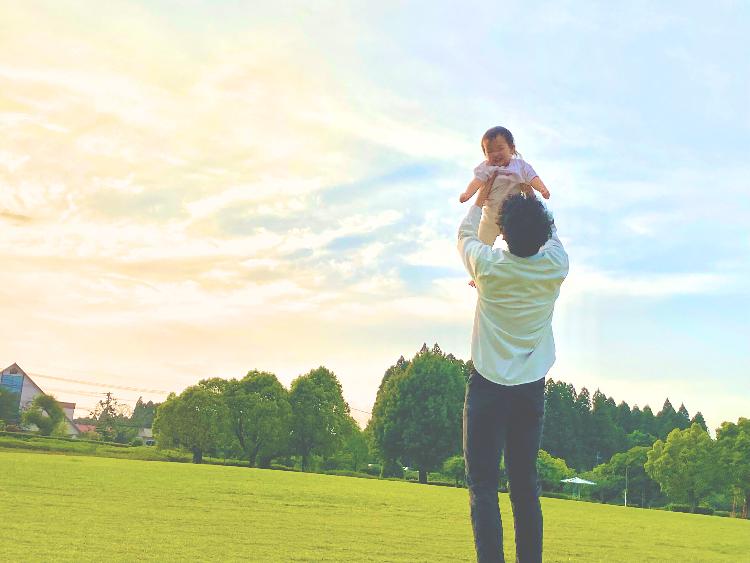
(471, 249)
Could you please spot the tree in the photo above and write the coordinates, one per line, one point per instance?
(649, 423)
(143, 414)
(195, 420)
(559, 436)
(45, 413)
(638, 438)
(623, 417)
(584, 455)
(668, 419)
(683, 418)
(698, 419)
(417, 414)
(551, 471)
(259, 415)
(319, 414)
(383, 437)
(608, 438)
(733, 441)
(112, 419)
(9, 402)
(684, 465)
(455, 467)
(355, 444)
(626, 468)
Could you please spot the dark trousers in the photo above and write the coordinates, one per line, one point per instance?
(501, 418)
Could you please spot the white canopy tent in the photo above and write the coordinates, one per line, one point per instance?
(577, 481)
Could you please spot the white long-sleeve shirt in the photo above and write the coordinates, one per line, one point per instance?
(512, 340)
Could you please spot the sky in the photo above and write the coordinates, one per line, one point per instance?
(196, 189)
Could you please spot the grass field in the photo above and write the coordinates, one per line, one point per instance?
(60, 507)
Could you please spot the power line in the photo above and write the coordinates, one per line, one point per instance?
(121, 387)
(99, 384)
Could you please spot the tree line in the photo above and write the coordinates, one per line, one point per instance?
(416, 425)
(586, 431)
(257, 419)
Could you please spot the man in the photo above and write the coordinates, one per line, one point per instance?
(512, 349)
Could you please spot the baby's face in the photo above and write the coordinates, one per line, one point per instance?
(498, 151)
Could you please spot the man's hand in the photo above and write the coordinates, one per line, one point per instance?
(484, 191)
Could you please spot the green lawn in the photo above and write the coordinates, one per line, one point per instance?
(60, 507)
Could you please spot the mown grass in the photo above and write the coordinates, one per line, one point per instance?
(74, 508)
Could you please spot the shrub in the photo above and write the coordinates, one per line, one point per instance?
(704, 510)
(685, 508)
(677, 508)
(282, 467)
(350, 473)
(411, 475)
(337, 462)
(554, 494)
(372, 469)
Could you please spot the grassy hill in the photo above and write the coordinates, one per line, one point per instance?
(62, 507)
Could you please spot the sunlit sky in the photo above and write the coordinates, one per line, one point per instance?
(195, 189)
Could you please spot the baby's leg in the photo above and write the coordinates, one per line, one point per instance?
(488, 227)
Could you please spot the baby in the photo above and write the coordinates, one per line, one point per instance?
(513, 176)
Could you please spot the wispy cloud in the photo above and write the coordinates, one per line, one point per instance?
(227, 189)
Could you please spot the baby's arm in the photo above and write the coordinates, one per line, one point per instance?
(539, 186)
(471, 189)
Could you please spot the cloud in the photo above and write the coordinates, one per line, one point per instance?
(583, 280)
(219, 188)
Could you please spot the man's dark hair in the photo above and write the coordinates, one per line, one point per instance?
(526, 224)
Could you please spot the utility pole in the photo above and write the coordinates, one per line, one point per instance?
(626, 486)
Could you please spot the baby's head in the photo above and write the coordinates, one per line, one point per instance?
(498, 146)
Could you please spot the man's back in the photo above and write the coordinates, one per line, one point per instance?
(512, 340)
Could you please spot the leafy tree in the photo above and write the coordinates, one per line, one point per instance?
(455, 467)
(551, 471)
(45, 413)
(355, 444)
(112, 419)
(260, 416)
(626, 467)
(417, 414)
(195, 420)
(733, 441)
(383, 437)
(8, 405)
(638, 438)
(685, 465)
(319, 415)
